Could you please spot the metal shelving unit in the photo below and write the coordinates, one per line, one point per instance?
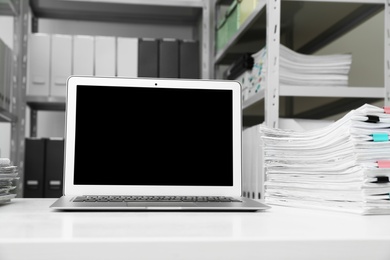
(154, 12)
(16, 116)
(195, 13)
(276, 16)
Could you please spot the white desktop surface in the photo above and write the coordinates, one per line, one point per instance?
(29, 229)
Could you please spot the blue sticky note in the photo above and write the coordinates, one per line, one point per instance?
(380, 137)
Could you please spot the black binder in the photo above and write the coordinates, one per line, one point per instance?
(34, 167)
(148, 58)
(168, 58)
(54, 168)
(189, 60)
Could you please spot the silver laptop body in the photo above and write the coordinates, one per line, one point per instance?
(153, 144)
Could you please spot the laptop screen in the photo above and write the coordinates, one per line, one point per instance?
(153, 136)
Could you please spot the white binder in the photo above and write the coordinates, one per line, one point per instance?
(105, 58)
(61, 63)
(2, 73)
(8, 79)
(127, 57)
(39, 65)
(83, 55)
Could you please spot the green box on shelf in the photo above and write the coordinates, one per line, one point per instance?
(232, 20)
(221, 33)
(245, 9)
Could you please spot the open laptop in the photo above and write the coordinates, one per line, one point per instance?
(153, 144)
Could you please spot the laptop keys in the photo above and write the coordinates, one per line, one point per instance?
(153, 199)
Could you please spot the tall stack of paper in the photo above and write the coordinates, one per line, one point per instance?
(344, 166)
(8, 174)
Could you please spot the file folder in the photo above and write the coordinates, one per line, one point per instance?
(189, 59)
(168, 58)
(105, 55)
(8, 79)
(83, 55)
(2, 74)
(39, 65)
(34, 167)
(127, 57)
(54, 164)
(61, 64)
(148, 58)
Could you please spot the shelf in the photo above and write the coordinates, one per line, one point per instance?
(126, 11)
(46, 103)
(8, 7)
(302, 15)
(315, 91)
(249, 22)
(6, 116)
(341, 92)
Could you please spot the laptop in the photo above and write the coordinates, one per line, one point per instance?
(153, 144)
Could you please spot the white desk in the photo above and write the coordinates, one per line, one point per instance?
(30, 230)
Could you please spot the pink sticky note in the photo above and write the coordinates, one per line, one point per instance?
(384, 164)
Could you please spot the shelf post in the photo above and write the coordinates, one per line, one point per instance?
(387, 53)
(207, 46)
(271, 100)
(19, 83)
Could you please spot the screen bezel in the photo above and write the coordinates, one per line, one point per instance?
(71, 189)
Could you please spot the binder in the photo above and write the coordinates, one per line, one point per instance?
(127, 57)
(189, 59)
(148, 58)
(8, 79)
(2, 74)
(54, 164)
(105, 54)
(168, 58)
(39, 65)
(83, 55)
(34, 167)
(61, 63)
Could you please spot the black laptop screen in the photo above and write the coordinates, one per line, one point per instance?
(153, 136)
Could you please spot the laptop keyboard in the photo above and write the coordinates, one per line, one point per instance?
(153, 199)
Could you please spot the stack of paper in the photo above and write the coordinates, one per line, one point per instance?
(8, 174)
(313, 70)
(344, 166)
(305, 70)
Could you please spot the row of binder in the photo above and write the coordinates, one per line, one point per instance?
(5, 76)
(53, 58)
(43, 172)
